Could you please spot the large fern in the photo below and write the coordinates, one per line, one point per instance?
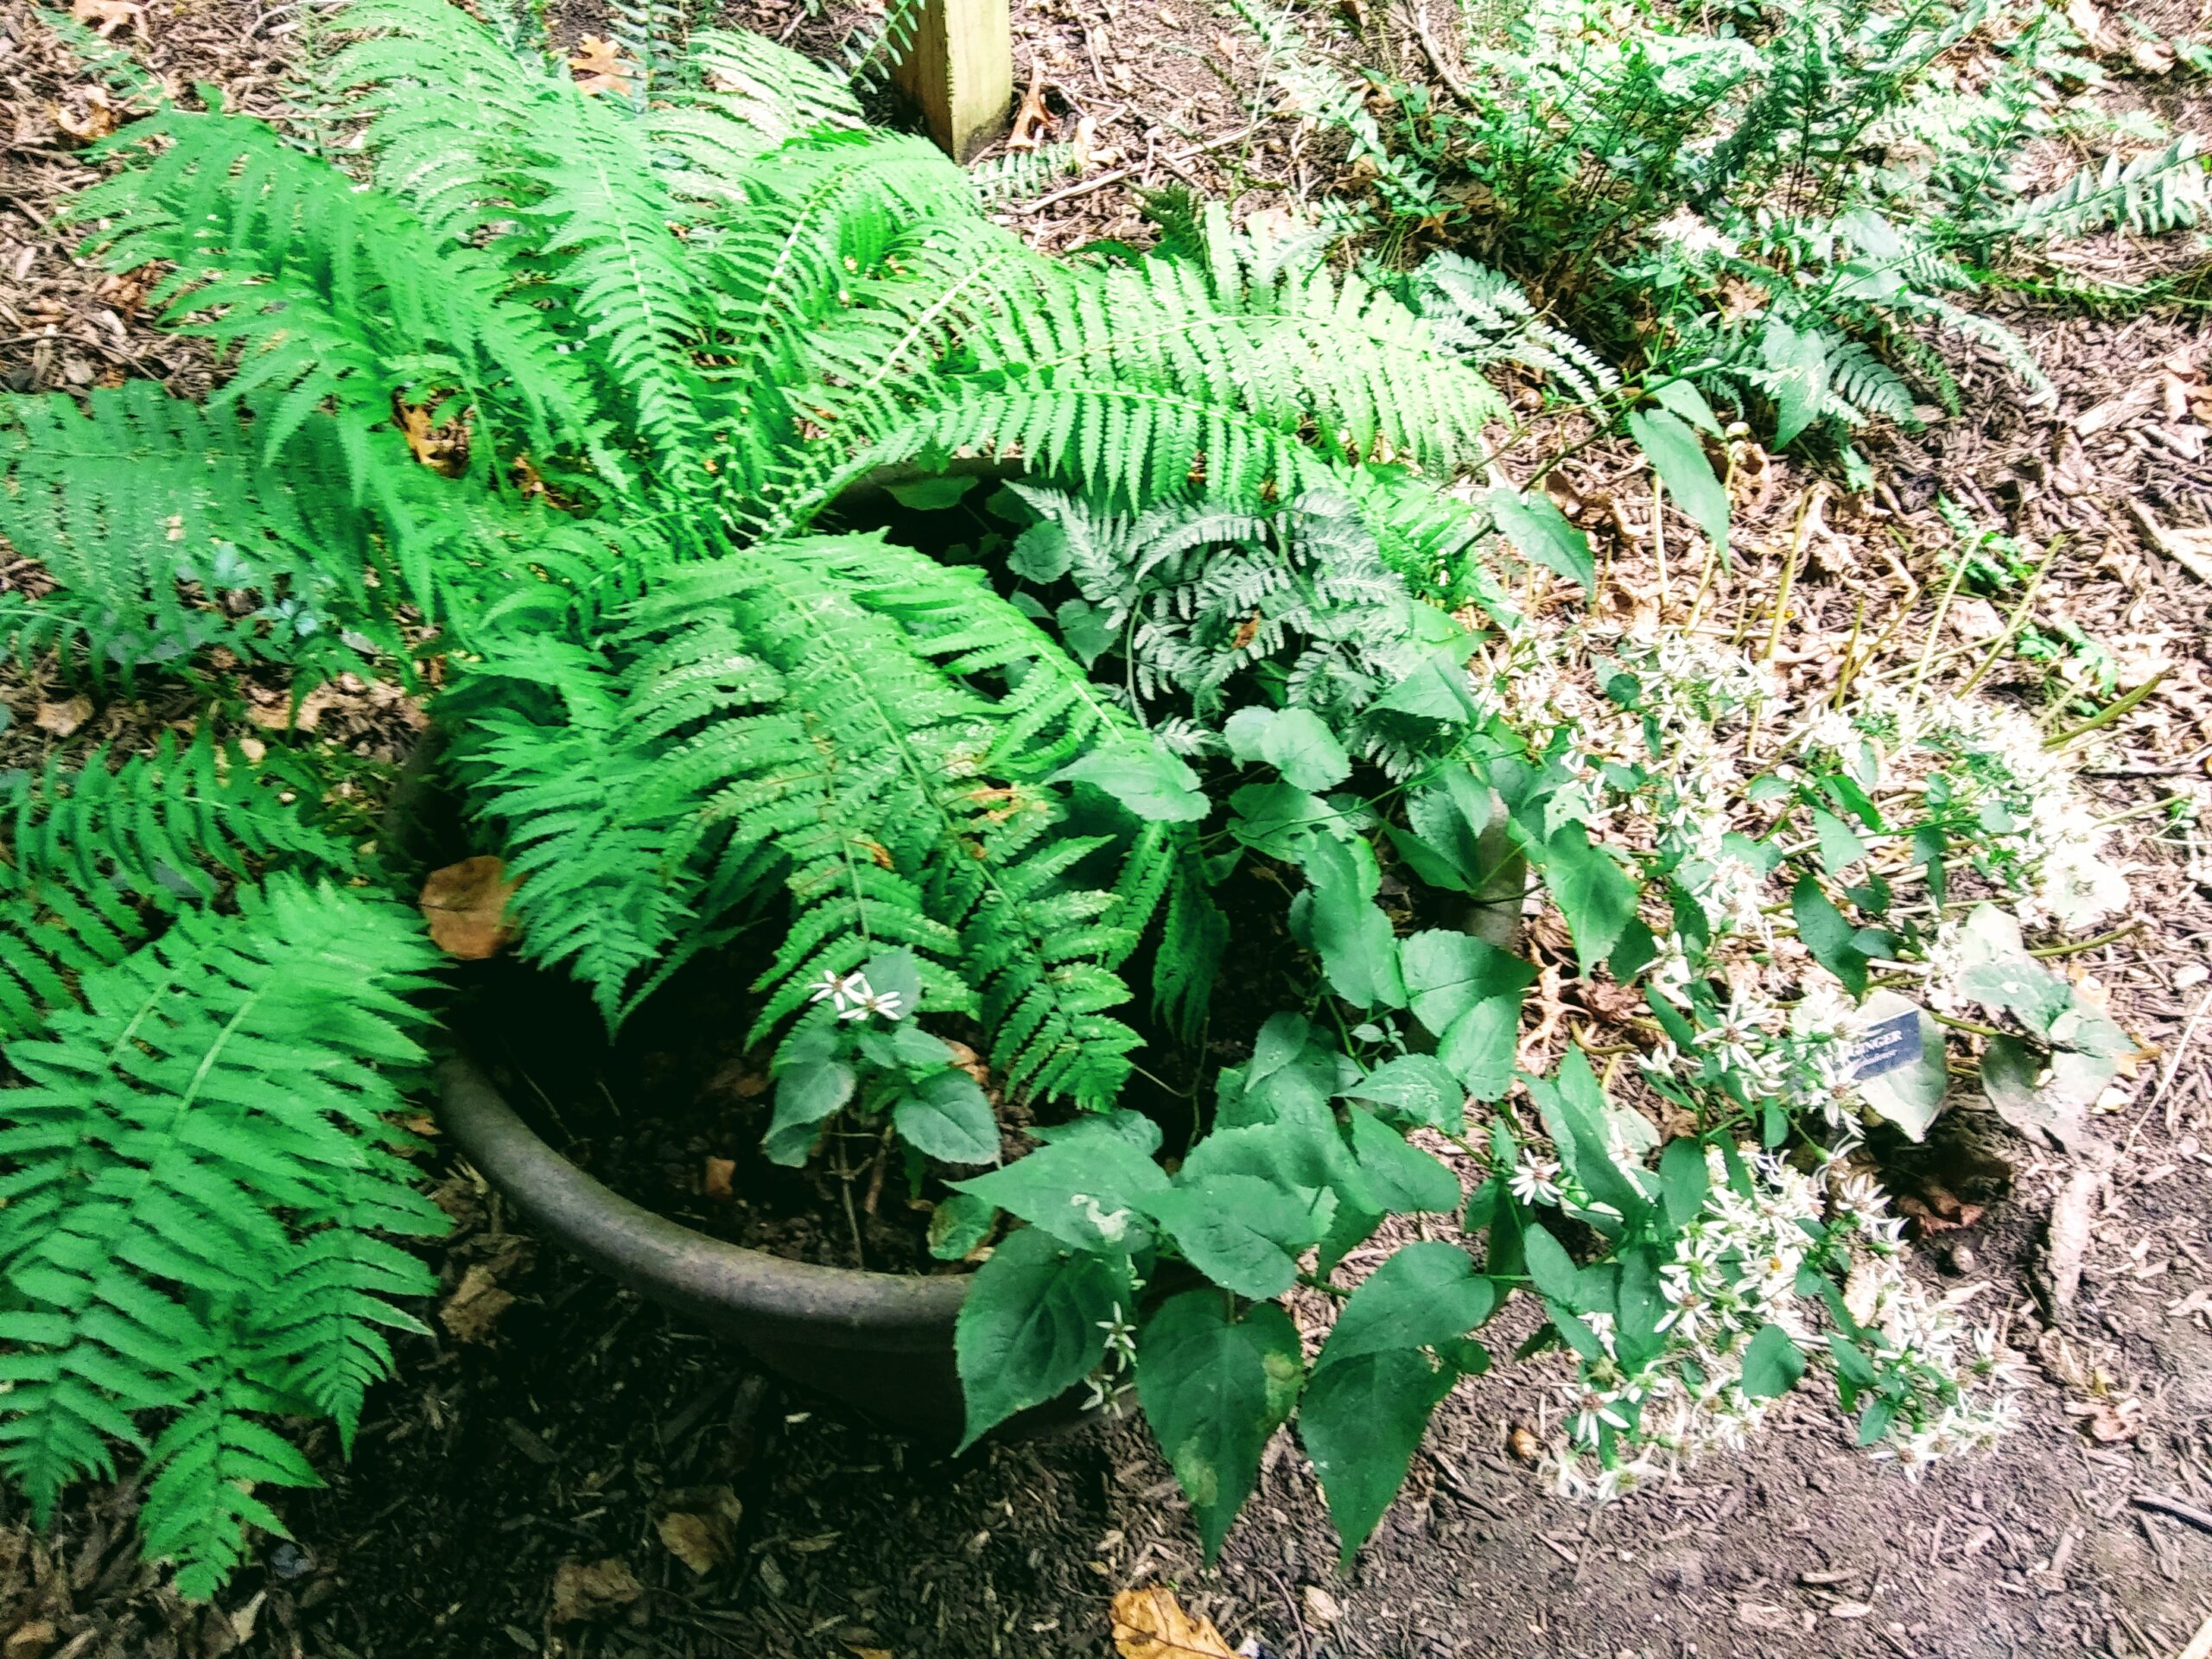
(222, 1101)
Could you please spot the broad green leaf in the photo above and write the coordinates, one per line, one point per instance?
(1679, 459)
(2022, 985)
(931, 494)
(1537, 526)
(1276, 819)
(1033, 1324)
(1444, 841)
(1358, 951)
(946, 1117)
(1361, 1421)
(1416, 1086)
(1686, 401)
(2087, 1031)
(1084, 630)
(1593, 892)
(1152, 783)
(959, 1224)
(1040, 553)
(1824, 931)
(1403, 1177)
(1556, 1277)
(1243, 1232)
(1294, 742)
(1772, 1364)
(1436, 690)
(1214, 1389)
(805, 1094)
(1480, 1046)
(1683, 1182)
(2043, 1100)
(1839, 848)
(1447, 973)
(1425, 1296)
(1091, 1194)
(1578, 1117)
(1115, 1123)
(1801, 358)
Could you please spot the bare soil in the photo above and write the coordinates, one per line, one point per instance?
(512, 1490)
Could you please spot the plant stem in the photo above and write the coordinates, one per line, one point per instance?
(2051, 952)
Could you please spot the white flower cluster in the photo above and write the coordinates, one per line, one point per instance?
(1734, 1272)
(1994, 762)
(1801, 1057)
(853, 998)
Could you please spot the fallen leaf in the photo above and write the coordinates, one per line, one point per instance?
(2110, 1421)
(105, 16)
(601, 68)
(466, 905)
(2089, 23)
(1150, 1624)
(593, 1591)
(62, 719)
(2072, 1215)
(98, 120)
(2189, 548)
(282, 717)
(1087, 151)
(2150, 57)
(475, 1305)
(1032, 119)
(715, 1183)
(33, 1640)
(702, 1542)
(442, 447)
(1320, 1606)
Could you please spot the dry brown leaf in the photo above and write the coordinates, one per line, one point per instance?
(282, 717)
(1150, 1624)
(105, 16)
(601, 68)
(1032, 119)
(2089, 23)
(593, 1591)
(466, 905)
(62, 719)
(98, 120)
(867, 1653)
(702, 1542)
(475, 1305)
(2150, 57)
(1088, 151)
(442, 447)
(32, 1641)
(2189, 548)
(715, 1183)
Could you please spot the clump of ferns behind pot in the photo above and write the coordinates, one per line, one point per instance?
(1789, 207)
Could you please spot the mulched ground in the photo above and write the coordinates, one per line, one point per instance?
(537, 1477)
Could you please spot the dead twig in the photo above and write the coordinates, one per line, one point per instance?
(2175, 1507)
(1118, 174)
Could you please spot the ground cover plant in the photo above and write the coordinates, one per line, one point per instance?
(556, 417)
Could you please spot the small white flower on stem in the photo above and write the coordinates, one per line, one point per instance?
(1535, 1180)
(889, 1004)
(840, 989)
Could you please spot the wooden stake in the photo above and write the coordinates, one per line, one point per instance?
(959, 73)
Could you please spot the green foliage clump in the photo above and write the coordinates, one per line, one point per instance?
(574, 406)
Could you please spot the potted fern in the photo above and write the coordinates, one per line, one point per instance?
(548, 398)
(543, 407)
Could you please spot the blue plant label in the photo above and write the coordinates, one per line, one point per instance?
(1890, 1046)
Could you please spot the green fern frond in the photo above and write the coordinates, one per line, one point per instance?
(226, 1091)
(336, 298)
(873, 776)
